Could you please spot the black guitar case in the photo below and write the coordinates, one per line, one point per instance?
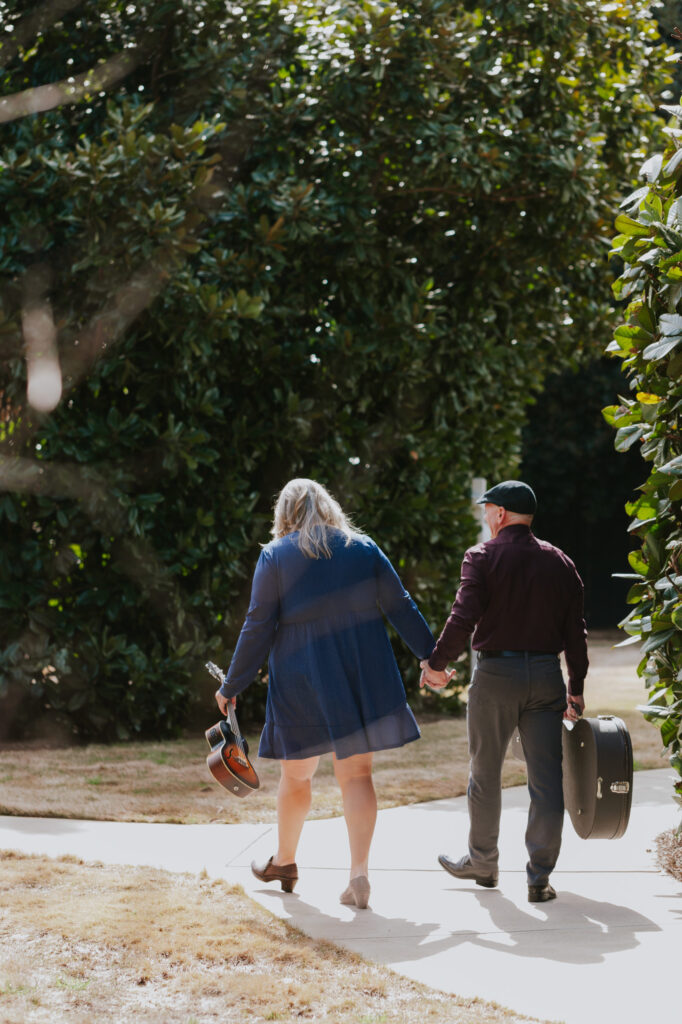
(597, 763)
(598, 776)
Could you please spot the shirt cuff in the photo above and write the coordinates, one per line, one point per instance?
(438, 662)
(576, 687)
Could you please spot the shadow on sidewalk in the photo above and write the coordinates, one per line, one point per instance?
(406, 940)
(573, 930)
(576, 930)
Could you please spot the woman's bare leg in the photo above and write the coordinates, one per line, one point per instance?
(354, 776)
(293, 803)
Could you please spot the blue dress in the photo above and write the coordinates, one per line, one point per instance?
(333, 679)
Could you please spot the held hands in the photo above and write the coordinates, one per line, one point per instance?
(223, 702)
(434, 680)
(576, 706)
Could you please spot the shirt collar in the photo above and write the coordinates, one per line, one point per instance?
(515, 532)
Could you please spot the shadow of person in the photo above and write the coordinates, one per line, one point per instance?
(392, 939)
(575, 929)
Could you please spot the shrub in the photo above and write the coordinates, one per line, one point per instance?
(649, 343)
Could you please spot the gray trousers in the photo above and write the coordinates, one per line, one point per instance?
(528, 692)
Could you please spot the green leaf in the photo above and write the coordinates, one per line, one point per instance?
(626, 436)
(657, 640)
(659, 349)
(639, 193)
(672, 467)
(637, 562)
(629, 641)
(651, 168)
(671, 323)
(627, 226)
(635, 593)
(627, 334)
(669, 730)
(610, 412)
(672, 164)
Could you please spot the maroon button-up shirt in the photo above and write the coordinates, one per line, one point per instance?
(518, 593)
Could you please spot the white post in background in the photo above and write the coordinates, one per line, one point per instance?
(478, 487)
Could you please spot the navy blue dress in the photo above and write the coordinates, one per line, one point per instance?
(333, 679)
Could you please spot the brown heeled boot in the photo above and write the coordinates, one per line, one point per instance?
(287, 874)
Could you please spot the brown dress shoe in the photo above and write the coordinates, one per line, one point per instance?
(357, 893)
(287, 874)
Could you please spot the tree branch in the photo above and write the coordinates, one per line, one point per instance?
(26, 30)
(46, 97)
(110, 325)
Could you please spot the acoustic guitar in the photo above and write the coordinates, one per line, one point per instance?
(228, 761)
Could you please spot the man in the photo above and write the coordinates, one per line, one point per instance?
(523, 601)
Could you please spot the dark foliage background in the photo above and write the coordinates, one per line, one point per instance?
(344, 241)
(581, 483)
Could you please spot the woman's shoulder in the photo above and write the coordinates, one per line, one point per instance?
(280, 545)
(361, 546)
(363, 541)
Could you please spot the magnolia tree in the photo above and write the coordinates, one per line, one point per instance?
(241, 243)
(649, 342)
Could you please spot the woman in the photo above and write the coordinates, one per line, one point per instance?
(318, 593)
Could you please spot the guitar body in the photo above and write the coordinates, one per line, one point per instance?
(228, 762)
(221, 731)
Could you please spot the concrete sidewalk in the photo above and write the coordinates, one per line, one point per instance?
(592, 954)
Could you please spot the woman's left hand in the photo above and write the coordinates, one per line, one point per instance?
(433, 679)
(223, 702)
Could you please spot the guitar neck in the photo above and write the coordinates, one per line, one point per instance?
(218, 674)
(231, 714)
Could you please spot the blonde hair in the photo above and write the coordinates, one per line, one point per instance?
(308, 507)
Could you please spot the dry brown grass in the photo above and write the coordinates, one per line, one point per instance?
(85, 942)
(170, 782)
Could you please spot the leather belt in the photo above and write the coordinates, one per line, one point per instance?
(516, 654)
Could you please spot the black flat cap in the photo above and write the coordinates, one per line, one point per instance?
(513, 495)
